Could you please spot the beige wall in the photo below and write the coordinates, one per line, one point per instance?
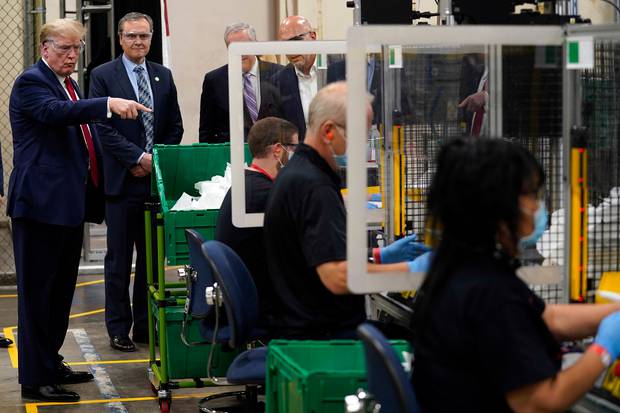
(596, 10)
(197, 29)
(197, 45)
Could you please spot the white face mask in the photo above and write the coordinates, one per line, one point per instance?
(290, 155)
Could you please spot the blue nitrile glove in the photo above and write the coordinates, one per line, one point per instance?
(422, 263)
(608, 335)
(405, 249)
(371, 205)
(375, 197)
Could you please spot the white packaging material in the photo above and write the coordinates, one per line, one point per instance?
(212, 193)
(603, 229)
(184, 203)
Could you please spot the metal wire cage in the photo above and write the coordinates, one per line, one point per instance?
(434, 86)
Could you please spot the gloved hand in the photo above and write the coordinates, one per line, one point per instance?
(375, 197)
(405, 249)
(422, 263)
(608, 335)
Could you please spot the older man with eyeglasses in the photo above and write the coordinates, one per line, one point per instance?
(297, 83)
(127, 156)
(55, 186)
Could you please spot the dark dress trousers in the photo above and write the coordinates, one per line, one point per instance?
(214, 107)
(50, 197)
(123, 142)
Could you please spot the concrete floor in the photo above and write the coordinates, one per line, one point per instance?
(121, 383)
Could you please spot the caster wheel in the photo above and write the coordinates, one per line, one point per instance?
(164, 406)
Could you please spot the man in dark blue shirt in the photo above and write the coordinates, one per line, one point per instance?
(305, 231)
(272, 142)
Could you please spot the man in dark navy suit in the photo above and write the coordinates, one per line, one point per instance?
(258, 95)
(127, 160)
(55, 186)
(297, 83)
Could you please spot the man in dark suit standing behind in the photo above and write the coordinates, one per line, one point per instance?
(55, 186)
(127, 159)
(258, 95)
(297, 83)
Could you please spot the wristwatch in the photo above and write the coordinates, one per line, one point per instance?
(602, 352)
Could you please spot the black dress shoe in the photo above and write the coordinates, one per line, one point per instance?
(67, 376)
(122, 344)
(5, 342)
(51, 393)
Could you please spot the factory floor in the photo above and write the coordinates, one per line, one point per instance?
(121, 384)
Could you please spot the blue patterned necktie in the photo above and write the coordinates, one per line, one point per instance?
(249, 96)
(144, 97)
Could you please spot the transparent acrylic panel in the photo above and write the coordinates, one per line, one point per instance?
(452, 85)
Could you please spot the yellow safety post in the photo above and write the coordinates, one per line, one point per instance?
(398, 148)
(579, 219)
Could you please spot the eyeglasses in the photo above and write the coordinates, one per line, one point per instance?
(64, 49)
(131, 36)
(299, 36)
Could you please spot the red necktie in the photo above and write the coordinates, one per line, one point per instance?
(88, 138)
(478, 118)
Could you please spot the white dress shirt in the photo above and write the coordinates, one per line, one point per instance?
(307, 88)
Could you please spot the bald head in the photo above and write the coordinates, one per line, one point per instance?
(298, 28)
(294, 26)
(327, 121)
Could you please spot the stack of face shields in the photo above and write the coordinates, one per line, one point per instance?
(212, 193)
(603, 234)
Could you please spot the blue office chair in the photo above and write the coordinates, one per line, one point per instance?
(235, 291)
(198, 277)
(387, 381)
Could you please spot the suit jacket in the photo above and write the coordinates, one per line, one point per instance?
(50, 179)
(289, 101)
(124, 140)
(214, 107)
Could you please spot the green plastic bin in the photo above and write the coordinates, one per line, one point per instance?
(191, 362)
(315, 376)
(177, 169)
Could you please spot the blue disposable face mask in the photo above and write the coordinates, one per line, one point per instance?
(540, 224)
(341, 160)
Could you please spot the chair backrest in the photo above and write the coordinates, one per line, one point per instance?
(387, 381)
(198, 307)
(238, 290)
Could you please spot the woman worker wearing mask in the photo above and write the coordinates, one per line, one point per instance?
(484, 342)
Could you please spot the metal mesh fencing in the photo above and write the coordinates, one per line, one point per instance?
(531, 116)
(17, 23)
(600, 117)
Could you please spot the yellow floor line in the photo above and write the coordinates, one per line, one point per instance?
(33, 407)
(8, 333)
(87, 363)
(101, 310)
(85, 283)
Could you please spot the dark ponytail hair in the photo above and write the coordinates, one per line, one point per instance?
(476, 187)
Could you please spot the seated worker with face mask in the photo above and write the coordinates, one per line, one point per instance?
(305, 232)
(484, 342)
(272, 142)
